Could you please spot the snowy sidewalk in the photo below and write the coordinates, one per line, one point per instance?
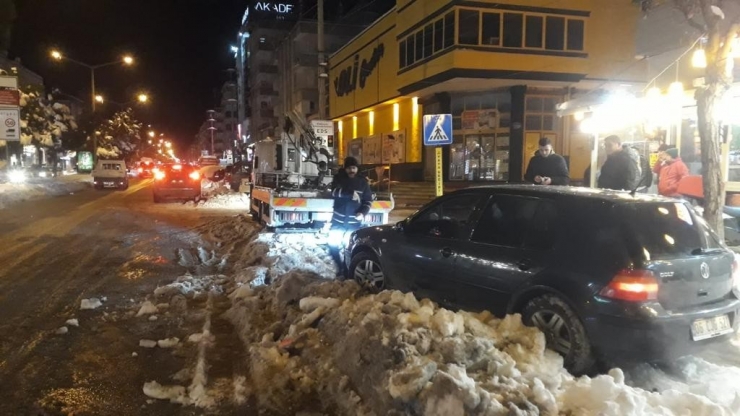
(36, 188)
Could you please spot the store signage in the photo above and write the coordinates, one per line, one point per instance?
(358, 72)
(267, 6)
(10, 96)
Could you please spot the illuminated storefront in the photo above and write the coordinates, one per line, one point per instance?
(499, 67)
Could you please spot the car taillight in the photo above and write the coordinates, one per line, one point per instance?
(159, 175)
(141, 170)
(632, 285)
(194, 176)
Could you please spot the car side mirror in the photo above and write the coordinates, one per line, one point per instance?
(400, 226)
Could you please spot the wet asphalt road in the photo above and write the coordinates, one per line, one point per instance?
(57, 251)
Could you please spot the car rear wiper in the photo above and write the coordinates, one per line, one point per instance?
(699, 251)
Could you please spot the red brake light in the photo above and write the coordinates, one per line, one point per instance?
(141, 170)
(177, 167)
(632, 285)
(194, 175)
(158, 175)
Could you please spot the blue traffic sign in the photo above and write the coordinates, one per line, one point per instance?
(437, 129)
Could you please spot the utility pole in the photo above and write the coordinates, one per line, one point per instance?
(212, 128)
(322, 62)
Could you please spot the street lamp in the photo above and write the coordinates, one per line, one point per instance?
(143, 98)
(125, 60)
(99, 99)
(151, 134)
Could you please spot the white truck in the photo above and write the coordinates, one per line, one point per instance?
(292, 177)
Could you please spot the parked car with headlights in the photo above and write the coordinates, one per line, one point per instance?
(605, 275)
(110, 174)
(176, 181)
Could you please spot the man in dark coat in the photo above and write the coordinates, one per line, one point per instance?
(547, 167)
(619, 172)
(352, 197)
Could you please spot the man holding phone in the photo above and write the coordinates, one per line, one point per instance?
(547, 167)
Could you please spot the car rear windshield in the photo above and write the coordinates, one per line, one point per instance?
(668, 230)
(112, 166)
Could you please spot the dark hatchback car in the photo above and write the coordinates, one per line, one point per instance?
(176, 181)
(603, 274)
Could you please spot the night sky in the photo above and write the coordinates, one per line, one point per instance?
(181, 47)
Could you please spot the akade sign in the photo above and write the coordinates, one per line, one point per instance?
(349, 77)
(275, 10)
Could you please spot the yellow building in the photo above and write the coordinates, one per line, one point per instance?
(499, 67)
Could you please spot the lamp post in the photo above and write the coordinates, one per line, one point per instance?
(125, 60)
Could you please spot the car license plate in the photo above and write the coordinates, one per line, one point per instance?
(711, 327)
(109, 184)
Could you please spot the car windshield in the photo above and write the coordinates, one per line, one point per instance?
(669, 230)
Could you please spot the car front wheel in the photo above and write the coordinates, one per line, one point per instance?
(563, 331)
(366, 269)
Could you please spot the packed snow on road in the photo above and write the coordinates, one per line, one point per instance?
(11, 193)
(314, 343)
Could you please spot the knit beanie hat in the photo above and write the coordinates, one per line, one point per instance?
(672, 152)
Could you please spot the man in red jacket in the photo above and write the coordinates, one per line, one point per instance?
(671, 173)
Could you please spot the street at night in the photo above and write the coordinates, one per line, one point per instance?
(370, 207)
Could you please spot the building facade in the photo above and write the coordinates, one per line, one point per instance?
(499, 67)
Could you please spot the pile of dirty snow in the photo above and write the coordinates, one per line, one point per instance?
(229, 200)
(310, 340)
(271, 256)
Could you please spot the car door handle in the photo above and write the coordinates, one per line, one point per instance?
(446, 252)
(524, 264)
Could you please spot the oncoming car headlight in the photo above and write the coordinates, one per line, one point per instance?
(339, 238)
(17, 176)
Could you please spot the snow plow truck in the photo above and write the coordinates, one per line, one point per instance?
(292, 178)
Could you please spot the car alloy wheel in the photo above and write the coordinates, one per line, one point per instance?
(369, 274)
(563, 330)
(556, 332)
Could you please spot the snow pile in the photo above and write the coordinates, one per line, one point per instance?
(191, 286)
(72, 322)
(271, 256)
(229, 200)
(92, 303)
(147, 308)
(40, 188)
(309, 339)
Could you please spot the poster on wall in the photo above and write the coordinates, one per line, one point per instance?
(355, 149)
(394, 147)
(371, 150)
(479, 119)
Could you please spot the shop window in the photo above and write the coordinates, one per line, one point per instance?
(402, 54)
(457, 123)
(513, 28)
(533, 122)
(550, 104)
(410, 50)
(534, 104)
(534, 32)
(492, 29)
(472, 102)
(449, 29)
(548, 123)
(428, 39)
(438, 35)
(575, 34)
(458, 105)
(469, 27)
(555, 33)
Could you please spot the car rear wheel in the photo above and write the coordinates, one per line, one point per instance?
(365, 268)
(563, 331)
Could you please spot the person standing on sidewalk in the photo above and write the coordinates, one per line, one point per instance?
(620, 171)
(671, 173)
(547, 167)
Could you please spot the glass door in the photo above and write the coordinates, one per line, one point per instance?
(457, 161)
(501, 157)
(488, 168)
(473, 156)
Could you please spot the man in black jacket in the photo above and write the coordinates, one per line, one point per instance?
(547, 167)
(352, 197)
(619, 172)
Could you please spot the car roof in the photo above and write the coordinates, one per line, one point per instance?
(570, 192)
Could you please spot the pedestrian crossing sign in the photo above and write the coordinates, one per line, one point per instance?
(437, 129)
